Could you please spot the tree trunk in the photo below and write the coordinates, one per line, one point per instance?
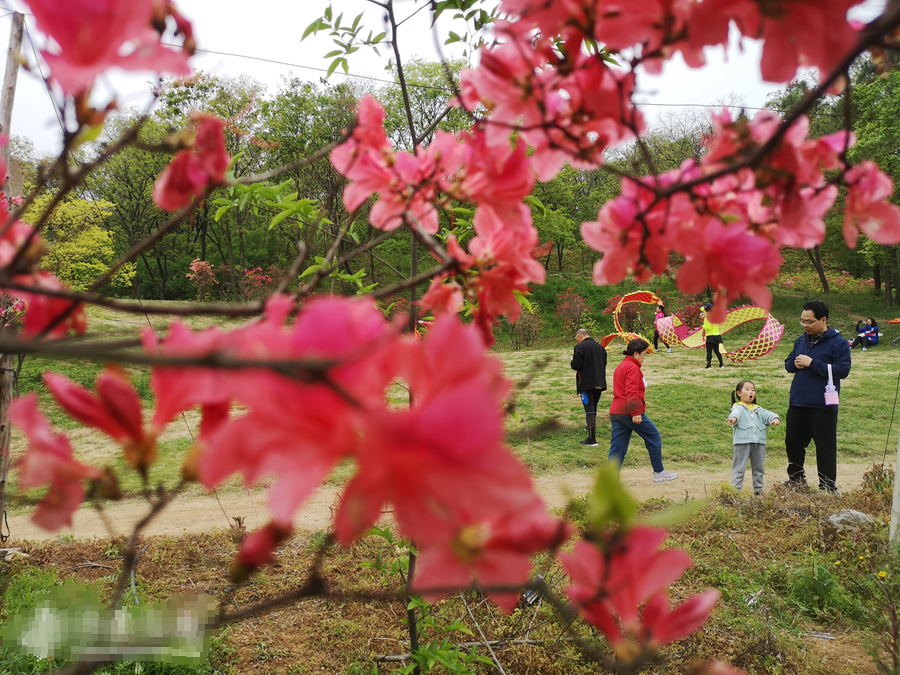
(547, 261)
(204, 224)
(813, 254)
(241, 246)
(876, 276)
(7, 388)
(559, 255)
(163, 278)
(888, 295)
(235, 293)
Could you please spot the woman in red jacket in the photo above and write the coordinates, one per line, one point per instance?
(626, 413)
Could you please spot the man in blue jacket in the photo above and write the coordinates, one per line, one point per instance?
(808, 417)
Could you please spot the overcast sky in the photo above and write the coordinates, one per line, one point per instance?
(271, 29)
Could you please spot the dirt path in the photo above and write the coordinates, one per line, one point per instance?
(202, 514)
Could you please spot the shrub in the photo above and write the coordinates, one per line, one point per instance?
(524, 331)
(202, 277)
(258, 283)
(570, 312)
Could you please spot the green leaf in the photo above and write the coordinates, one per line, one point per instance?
(88, 134)
(609, 502)
(278, 218)
(310, 270)
(328, 13)
(333, 66)
(676, 514)
(537, 203)
(379, 38)
(221, 211)
(314, 27)
(523, 301)
(331, 54)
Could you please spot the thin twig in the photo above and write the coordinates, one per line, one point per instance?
(484, 639)
(131, 556)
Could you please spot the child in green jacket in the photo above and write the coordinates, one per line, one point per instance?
(749, 422)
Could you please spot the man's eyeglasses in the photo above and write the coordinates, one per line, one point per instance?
(808, 322)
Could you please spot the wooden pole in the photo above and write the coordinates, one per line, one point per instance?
(8, 94)
(7, 361)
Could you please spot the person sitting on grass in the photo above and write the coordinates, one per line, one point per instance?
(868, 334)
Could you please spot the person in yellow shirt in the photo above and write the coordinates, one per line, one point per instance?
(713, 335)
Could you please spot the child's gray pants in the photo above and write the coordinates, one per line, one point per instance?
(756, 453)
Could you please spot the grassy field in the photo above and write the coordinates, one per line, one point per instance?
(689, 404)
(784, 577)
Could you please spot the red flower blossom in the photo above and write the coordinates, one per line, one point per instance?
(192, 171)
(45, 311)
(610, 585)
(866, 207)
(95, 36)
(48, 460)
(495, 551)
(258, 550)
(115, 410)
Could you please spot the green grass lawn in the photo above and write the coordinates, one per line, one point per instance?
(689, 404)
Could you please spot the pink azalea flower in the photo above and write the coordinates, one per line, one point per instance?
(443, 458)
(192, 171)
(45, 311)
(732, 261)
(661, 624)
(496, 552)
(115, 410)
(93, 37)
(48, 460)
(610, 585)
(296, 428)
(866, 207)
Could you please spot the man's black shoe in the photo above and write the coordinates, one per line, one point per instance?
(588, 441)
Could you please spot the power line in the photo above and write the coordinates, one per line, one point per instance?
(451, 91)
(41, 71)
(322, 70)
(750, 107)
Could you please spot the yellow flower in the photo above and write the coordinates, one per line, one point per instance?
(837, 562)
(862, 557)
(882, 574)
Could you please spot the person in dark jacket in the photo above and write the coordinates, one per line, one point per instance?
(809, 417)
(589, 364)
(867, 334)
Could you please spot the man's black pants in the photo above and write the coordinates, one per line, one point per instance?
(590, 411)
(820, 426)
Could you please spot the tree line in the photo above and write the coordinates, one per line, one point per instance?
(246, 251)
